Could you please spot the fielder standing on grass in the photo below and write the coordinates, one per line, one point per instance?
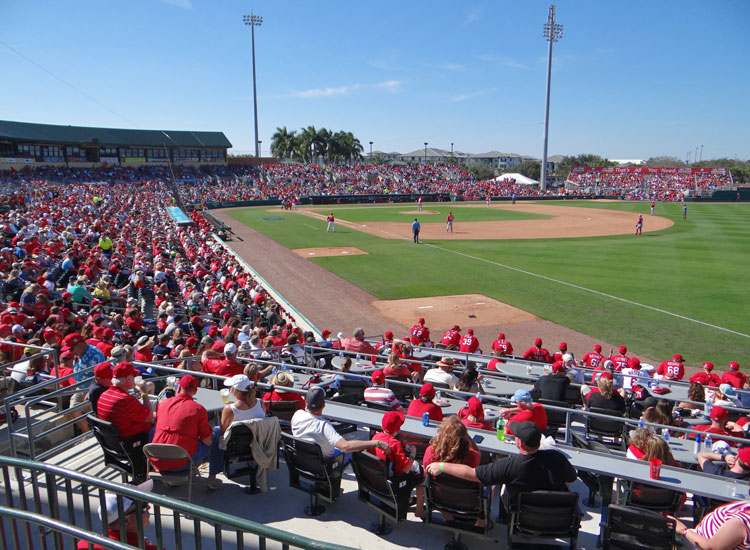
(449, 222)
(415, 230)
(331, 224)
(639, 225)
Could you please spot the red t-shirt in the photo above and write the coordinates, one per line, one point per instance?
(451, 338)
(706, 379)
(130, 416)
(418, 407)
(536, 414)
(64, 371)
(503, 345)
(285, 396)
(463, 414)
(493, 364)
(735, 378)
(398, 457)
(472, 461)
(222, 367)
(401, 370)
(180, 421)
(115, 535)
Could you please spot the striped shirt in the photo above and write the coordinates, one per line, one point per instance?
(711, 524)
(130, 416)
(383, 396)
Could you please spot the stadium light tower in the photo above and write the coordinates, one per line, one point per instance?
(371, 150)
(552, 33)
(425, 152)
(253, 21)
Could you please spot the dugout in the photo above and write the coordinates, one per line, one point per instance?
(29, 144)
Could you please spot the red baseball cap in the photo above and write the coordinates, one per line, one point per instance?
(557, 356)
(475, 407)
(564, 345)
(501, 335)
(744, 456)
(718, 413)
(388, 335)
(123, 370)
(103, 370)
(66, 296)
(734, 365)
(597, 348)
(538, 342)
(378, 377)
(326, 333)
(71, 340)
(188, 382)
(558, 366)
(634, 363)
(456, 327)
(623, 349)
(607, 375)
(392, 421)
(470, 331)
(708, 365)
(678, 357)
(421, 320)
(191, 341)
(66, 355)
(427, 390)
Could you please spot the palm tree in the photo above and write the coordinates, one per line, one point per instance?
(284, 143)
(308, 141)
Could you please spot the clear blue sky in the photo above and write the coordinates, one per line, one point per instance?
(630, 79)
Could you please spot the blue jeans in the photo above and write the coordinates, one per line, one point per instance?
(210, 453)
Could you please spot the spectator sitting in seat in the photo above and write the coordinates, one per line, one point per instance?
(733, 376)
(280, 381)
(472, 415)
(606, 397)
(453, 444)
(309, 425)
(442, 373)
(228, 366)
(733, 466)
(718, 425)
(706, 377)
(696, 394)
(131, 417)
(378, 393)
(401, 464)
(357, 343)
(470, 381)
(394, 368)
(102, 382)
(553, 386)
(245, 406)
(424, 404)
(524, 410)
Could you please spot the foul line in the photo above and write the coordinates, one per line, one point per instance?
(589, 290)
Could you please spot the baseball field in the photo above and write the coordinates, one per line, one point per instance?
(679, 287)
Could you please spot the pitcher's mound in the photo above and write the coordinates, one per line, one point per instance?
(467, 310)
(328, 251)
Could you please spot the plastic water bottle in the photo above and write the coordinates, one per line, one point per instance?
(479, 396)
(356, 360)
(708, 443)
(641, 423)
(501, 429)
(697, 444)
(665, 434)
(438, 395)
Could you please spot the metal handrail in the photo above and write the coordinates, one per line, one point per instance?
(58, 483)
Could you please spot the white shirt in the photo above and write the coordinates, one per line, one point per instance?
(438, 375)
(628, 375)
(315, 429)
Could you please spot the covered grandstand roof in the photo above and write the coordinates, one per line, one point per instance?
(83, 135)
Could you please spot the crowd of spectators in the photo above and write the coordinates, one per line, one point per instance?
(665, 187)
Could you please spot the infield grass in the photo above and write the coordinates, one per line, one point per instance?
(432, 213)
(697, 269)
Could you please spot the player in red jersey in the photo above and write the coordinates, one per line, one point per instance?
(538, 353)
(706, 377)
(420, 334)
(469, 343)
(672, 369)
(452, 337)
(503, 344)
(639, 225)
(621, 360)
(593, 358)
(733, 376)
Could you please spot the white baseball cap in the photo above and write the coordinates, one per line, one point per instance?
(238, 382)
(110, 501)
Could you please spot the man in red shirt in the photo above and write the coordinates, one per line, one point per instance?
(357, 343)
(718, 425)
(228, 366)
(593, 358)
(524, 410)
(733, 376)
(425, 405)
(538, 353)
(451, 337)
(706, 377)
(469, 343)
(280, 381)
(621, 360)
(132, 418)
(183, 422)
(503, 344)
(673, 369)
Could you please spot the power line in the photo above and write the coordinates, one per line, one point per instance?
(84, 94)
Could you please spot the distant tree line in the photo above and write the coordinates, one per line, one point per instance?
(311, 145)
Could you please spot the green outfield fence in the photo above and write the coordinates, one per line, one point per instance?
(45, 506)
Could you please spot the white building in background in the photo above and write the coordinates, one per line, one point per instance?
(495, 159)
(630, 162)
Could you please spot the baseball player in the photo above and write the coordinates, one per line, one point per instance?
(672, 369)
(420, 334)
(419, 204)
(653, 204)
(706, 377)
(538, 353)
(451, 337)
(449, 222)
(469, 343)
(639, 225)
(503, 344)
(331, 224)
(733, 376)
(489, 200)
(621, 360)
(593, 358)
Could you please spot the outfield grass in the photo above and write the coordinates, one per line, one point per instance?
(696, 269)
(435, 212)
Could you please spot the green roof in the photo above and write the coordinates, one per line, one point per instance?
(115, 137)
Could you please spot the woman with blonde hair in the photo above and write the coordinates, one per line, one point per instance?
(246, 405)
(606, 397)
(656, 447)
